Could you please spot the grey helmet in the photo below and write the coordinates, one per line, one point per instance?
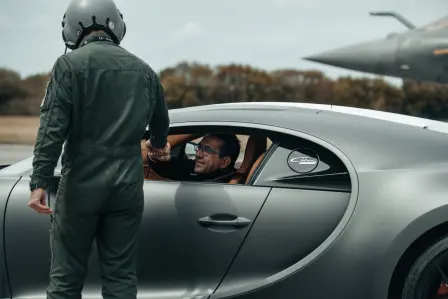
(83, 16)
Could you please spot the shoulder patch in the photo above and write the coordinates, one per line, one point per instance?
(46, 92)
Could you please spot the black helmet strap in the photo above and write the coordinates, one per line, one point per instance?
(96, 26)
(95, 38)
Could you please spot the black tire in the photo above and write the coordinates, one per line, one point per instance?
(424, 278)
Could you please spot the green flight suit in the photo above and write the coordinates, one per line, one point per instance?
(99, 100)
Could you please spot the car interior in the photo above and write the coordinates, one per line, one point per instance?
(254, 145)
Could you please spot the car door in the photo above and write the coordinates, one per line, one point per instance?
(27, 236)
(311, 191)
(190, 234)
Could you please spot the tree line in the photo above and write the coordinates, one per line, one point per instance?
(192, 84)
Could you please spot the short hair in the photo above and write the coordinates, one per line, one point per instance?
(231, 146)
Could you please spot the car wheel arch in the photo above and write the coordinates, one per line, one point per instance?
(423, 233)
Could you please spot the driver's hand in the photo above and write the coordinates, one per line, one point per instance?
(161, 154)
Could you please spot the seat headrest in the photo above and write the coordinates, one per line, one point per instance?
(256, 145)
(254, 166)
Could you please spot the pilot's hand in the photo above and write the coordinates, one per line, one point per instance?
(37, 201)
(161, 154)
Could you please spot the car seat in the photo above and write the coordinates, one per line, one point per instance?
(256, 146)
(254, 166)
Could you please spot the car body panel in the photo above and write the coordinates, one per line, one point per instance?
(418, 203)
(301, 212)
(6, 185)
(177, 254)
(394, 191)
(268, 250)
(360, 263)
(181, 258)
(27, 236)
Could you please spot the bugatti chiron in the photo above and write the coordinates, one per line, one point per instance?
(327, 202)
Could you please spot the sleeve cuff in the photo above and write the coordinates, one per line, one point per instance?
(38, 183)
(159, 142)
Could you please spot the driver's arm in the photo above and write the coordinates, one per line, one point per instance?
(177, 169)
(174, 141)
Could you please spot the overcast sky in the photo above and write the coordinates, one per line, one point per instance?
(268, 34)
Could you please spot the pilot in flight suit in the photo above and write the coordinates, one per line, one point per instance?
(99, 100)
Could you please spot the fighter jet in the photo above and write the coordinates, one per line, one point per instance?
(419, 54)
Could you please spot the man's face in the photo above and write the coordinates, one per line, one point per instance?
(208, 159)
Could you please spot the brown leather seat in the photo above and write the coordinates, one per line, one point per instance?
(254, 166)
(256, 146)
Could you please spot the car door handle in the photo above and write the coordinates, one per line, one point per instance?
(237, 222)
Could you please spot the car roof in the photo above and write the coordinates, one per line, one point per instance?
(257, 107)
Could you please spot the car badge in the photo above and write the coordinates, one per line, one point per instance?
(303, 160)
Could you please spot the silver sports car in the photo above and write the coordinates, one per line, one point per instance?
(329, 202)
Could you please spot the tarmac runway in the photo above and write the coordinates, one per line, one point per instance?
(11, 153)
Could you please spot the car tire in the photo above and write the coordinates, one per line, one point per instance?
(424, 279)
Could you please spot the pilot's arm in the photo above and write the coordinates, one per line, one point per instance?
(160, 122)
(55, 115)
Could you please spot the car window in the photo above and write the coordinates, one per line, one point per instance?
(299, 163)
(189, 150)
(24, 167)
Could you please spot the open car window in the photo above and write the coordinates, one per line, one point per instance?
(24, 167)
(185, 138)
(190, 152)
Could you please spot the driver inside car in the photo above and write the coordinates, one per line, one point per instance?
(215, 160)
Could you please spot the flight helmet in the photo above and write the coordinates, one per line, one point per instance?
(84, 16)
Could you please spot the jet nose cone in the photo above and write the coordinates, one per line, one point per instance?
(377, 57)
